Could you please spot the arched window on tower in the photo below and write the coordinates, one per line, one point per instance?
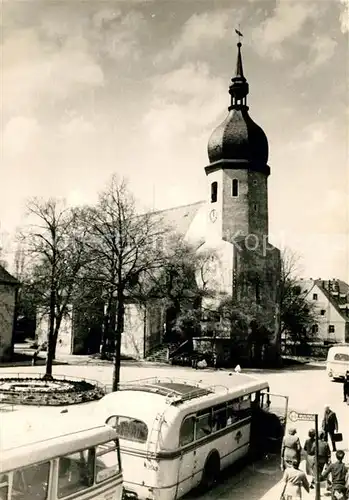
(235, 187)
(214, 192)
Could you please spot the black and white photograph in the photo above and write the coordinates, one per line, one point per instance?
(174, 250)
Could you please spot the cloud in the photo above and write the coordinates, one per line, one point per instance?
(321, 50)
(344, 16)
(34, 75)
(117, 35)
(288, 19)
(201, 31)
(184, 100)
(20, 137)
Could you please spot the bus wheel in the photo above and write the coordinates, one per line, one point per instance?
(211, 471)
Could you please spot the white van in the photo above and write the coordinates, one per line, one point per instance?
(337, 364)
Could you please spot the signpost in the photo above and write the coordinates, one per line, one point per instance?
(311, 417)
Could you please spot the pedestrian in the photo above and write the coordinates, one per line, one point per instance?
(339, 475)
(346, 388)
(330, 425)
(290, 449)
(294, 479)
(35, 356)
(324, 454)
(309, 448)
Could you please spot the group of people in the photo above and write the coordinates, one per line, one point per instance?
(295, 479)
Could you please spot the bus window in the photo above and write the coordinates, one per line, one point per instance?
(245, 406)
(76, 472)
(130, 428)
(219, 417)
(203, 424)
(3, 486)
(265, 399)
(255, 399)
(31, 483)
(186, 434)
(107, 461)
(233, 411)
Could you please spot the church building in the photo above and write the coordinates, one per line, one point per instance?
(230, 225)
(232, 222)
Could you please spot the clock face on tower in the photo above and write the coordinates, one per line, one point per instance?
(213, 215)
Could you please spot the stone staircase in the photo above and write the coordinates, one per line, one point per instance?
(159, 353)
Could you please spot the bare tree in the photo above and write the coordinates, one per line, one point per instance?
(122, 249)
(54, 243)
(181, 283)
(297, 314)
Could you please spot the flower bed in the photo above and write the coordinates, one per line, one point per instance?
(40, 392)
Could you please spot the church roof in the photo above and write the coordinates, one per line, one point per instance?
(180, 217)
(238, 139)
(6, 277)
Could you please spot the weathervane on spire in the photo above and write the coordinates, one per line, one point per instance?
(239, 34)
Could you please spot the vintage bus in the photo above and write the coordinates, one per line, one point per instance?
(337, 363)
(59, 458)
(175, 435)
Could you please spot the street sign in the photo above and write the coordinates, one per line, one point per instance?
(294, 416)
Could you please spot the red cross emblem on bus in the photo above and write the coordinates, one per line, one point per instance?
(238, 437)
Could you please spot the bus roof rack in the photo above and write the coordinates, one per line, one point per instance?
(175, 390)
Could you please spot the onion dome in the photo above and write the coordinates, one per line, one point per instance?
(239, 140)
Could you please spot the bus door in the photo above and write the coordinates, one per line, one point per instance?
(188, 456)
(270, 420)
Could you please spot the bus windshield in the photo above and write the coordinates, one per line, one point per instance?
(129, 428)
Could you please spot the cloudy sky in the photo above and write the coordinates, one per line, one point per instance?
(135, 87)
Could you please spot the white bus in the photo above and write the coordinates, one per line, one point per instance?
(175, 435)
(337, 364)
(58, 459)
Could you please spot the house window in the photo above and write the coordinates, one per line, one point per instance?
(331, 328)
(314, 296)
(322, 312)
(315, 328)
(235, 187)
(255, 207)
(214, 192)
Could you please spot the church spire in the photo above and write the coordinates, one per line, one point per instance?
(239, 69)
(239, 86)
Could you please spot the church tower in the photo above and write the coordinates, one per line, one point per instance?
(238, 171)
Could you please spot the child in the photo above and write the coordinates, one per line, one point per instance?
(339, 473)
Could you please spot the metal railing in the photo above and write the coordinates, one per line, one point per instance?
(173, 396)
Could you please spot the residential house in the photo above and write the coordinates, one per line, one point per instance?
(8, 292)
(331, 301)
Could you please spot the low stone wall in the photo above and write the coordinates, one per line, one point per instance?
(318, 351)
(21, 389)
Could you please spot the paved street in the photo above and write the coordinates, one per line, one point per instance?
(308, 389)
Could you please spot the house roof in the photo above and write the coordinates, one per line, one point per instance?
(6, 277)
(335, 300)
